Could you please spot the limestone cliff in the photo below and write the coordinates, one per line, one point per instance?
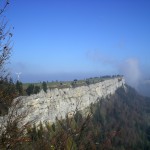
(59, 102)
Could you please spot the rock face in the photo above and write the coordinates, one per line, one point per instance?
(59, 102)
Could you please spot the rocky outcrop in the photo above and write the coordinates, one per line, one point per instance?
(59, 102)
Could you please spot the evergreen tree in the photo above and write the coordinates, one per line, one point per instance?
(7, 91)
(44, 86)
(19, 87)
(87, 81)
(36, 89)
(30, 89)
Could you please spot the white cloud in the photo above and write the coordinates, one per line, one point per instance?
(130, 68)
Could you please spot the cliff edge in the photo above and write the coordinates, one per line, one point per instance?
(45, 107)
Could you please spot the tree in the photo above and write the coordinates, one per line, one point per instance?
(87, 81)
(36, 89)
(73, 84)
(75, 80)
(10, 134)
(30, 89)
(44, 86)
(5, 42)
(12, 129)
(7, 94)
(5, 52)
(19, 87)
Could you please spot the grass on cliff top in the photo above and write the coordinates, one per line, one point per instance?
(74, 83)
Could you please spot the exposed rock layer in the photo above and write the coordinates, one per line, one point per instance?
(59, 102)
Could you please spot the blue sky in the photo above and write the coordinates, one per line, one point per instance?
(68, 39)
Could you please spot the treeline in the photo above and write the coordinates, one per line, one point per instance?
(18, 88)
(10, 90)
(34, 89)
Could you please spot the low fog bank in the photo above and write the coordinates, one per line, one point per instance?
(144, 88)
(136, 75)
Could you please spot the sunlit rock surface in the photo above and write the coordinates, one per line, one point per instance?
(59, 102)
